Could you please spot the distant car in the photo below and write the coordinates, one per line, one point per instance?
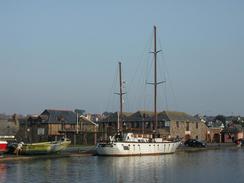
(239, 141)
(11, 147)
(194, 143)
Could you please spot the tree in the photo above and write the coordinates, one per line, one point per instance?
(107, 113)
(221, 118)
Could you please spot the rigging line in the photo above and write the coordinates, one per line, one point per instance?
(124, 96)
(167, 75)
(139, 89)
(148, 75)
(115, 89)
(161, 57)
(166, 98)
(163, 77)
(140, 61)
(139, 66)
(164, 87)
(125, 100)
(140, 86)
(111, 97)
(162, 93)
(145, 84)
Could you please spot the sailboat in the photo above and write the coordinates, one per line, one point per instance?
(124, 144)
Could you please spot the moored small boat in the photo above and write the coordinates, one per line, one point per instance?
(43, 147)
(3, 146)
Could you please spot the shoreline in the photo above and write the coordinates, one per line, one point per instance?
(210, 146)
(81, 151)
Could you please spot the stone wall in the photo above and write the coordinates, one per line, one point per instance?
(195, 131)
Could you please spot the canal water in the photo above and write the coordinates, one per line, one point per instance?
(217, 166)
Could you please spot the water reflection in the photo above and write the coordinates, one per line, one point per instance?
(3, 172)
(136, 169)
(207, 166)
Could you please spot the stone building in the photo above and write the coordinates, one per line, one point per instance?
(214, 135)
(185, 126)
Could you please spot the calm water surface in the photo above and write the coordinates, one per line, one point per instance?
(223, 166)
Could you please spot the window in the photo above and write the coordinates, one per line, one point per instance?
(147, 125)
(196, 125)
(67, 126)
(167, 123)
(124, 125)
(196, 136)
(161, 124)
(137, 124)
(40, 131)
(187, 126)
(177, 124)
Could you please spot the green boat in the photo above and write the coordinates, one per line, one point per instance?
(44, 147)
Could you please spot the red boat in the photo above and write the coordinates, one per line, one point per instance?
(3, 146)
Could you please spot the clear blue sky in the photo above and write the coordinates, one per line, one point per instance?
(64, 54)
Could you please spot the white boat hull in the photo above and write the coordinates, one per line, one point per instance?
(136, 148)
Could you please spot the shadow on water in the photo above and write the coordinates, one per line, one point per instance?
(206, 166)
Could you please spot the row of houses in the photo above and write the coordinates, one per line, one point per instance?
(54, 124)
(171, 124)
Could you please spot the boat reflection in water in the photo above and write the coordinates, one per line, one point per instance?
(139, 168)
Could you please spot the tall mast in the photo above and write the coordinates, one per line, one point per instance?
(155, 80)
(155, 83)
(119, 125)
(120, 96)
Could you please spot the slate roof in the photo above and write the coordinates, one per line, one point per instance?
(114, 117)
(58, 116)
(177, 116)
(139, 115)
